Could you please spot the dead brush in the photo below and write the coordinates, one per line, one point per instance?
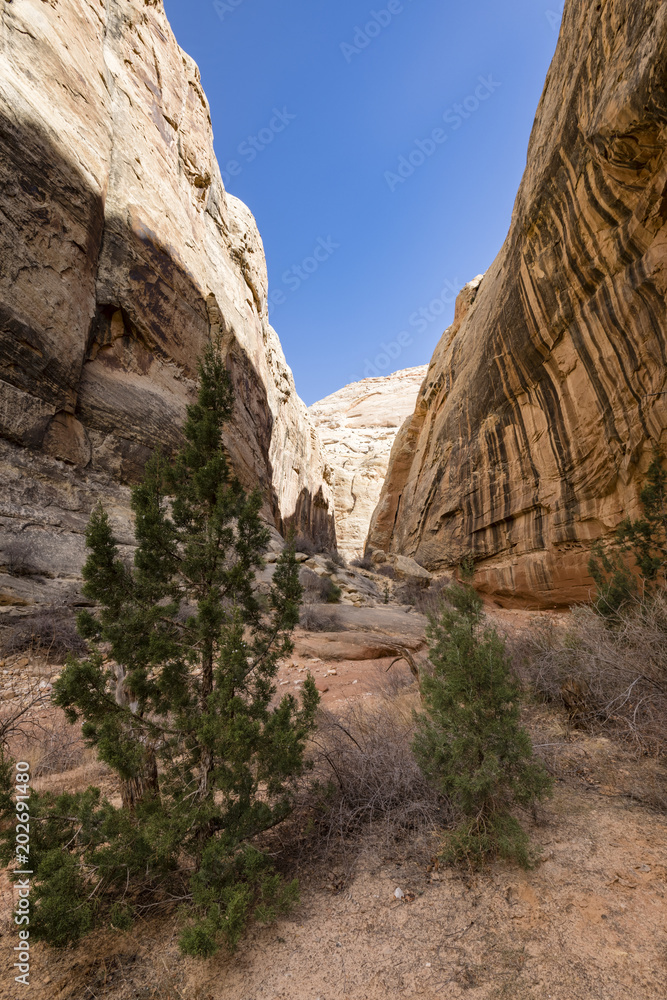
(50, 633)
(427, 597)
(316, 618)
(366, 776)
(45, 740)
(609, 679)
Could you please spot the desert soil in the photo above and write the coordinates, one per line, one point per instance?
(588, 923)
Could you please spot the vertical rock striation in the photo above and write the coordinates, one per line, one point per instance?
(357, 426)
(544, 400)
(120, 255)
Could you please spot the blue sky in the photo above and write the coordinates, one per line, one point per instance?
(380, 148)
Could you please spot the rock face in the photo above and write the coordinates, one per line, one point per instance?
(120, 255)
(357, 426)
(544, 400)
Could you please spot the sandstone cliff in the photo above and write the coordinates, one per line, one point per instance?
(542, 404)
(357, 427)
(120, 254)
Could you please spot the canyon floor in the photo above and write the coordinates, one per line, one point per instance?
(589, 922)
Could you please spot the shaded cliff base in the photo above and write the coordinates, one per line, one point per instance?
(44, 510)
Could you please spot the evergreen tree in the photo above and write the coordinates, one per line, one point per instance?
(645, 539)
(469, 740)
(177, 697)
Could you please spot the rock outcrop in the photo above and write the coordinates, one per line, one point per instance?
(120, 255)
(357, 427)
(543, 402)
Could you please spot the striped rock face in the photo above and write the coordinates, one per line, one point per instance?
(543, 402)
(121, 254)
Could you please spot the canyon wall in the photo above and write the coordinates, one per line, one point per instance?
(543, 402)
(357, 426)
(120, 255)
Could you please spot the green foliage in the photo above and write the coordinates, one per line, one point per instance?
(226, 892)
(470, 741)
(332, 593)
(645, 539)
(178, 698)
(616, 584)
(63, 914)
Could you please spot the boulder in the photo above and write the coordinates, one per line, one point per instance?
(350, 646)
(407, 569)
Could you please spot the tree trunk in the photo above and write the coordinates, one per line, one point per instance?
(146, 782)
(206, 691)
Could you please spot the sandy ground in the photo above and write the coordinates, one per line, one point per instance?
(588, 923)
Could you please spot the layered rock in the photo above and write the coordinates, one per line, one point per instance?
(357, 426)
(120, 255)
(544, 400)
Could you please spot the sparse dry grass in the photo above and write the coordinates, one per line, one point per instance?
(610, 679)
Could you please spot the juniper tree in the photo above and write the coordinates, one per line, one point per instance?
(177, 697)
(469, 739)
(645, 539)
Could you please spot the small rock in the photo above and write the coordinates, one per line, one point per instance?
(399, 894)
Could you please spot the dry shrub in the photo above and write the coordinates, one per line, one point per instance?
(33, 730)
(318, 589)
(366, 775)
(306, 545)
(21, 707)
(386, 569)
(50, 632)
(610, 679)
(51, 745)
(365, 563)
(335, 560)
(316, 618)
(427, 599)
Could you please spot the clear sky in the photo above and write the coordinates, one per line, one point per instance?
(380, 148)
